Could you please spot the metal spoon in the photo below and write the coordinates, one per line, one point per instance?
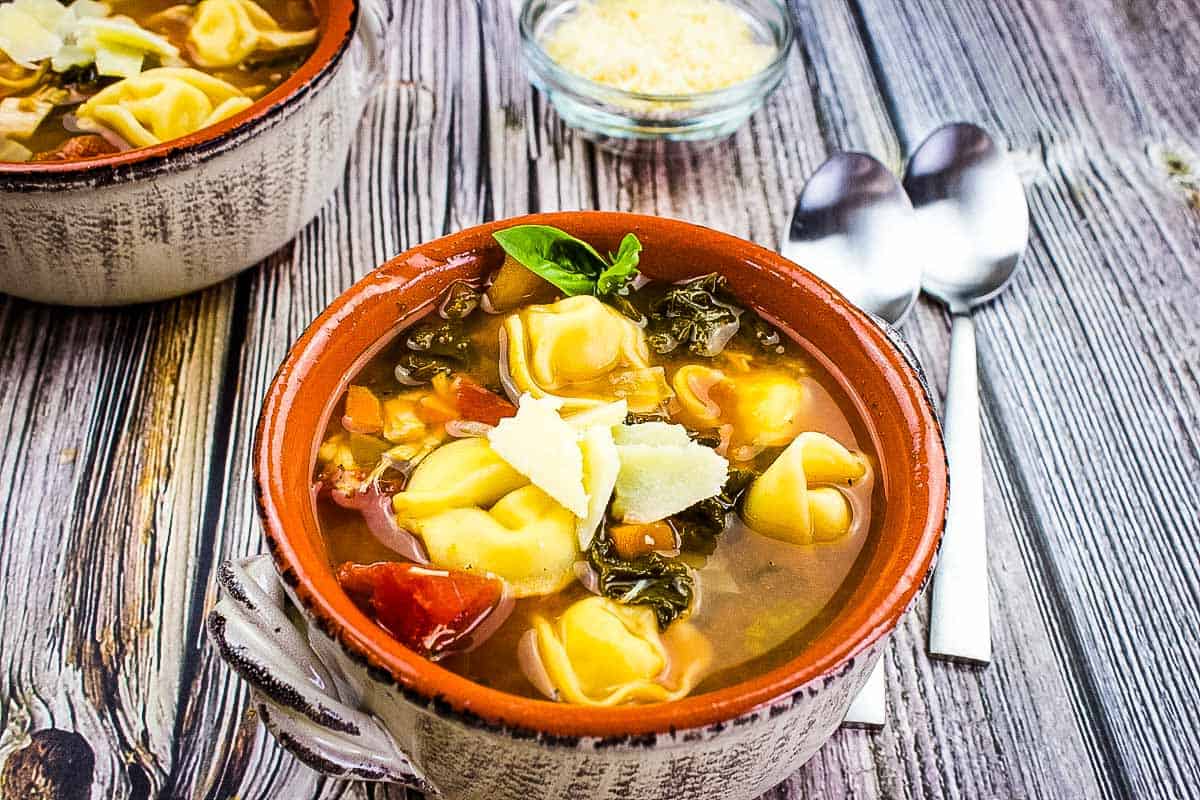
(853, 227)
(971, 211)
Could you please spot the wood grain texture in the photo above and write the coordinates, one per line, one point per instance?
(124, 435)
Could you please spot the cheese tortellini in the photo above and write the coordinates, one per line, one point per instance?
(795, 499)
(163, 104)
(603, 653)
(585, 352)
(764, 407)
(477, 514)
(225, 32)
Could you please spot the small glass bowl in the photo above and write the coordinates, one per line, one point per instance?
(619, 118)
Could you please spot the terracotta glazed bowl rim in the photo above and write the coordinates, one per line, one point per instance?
(337, 28)
(291, 531)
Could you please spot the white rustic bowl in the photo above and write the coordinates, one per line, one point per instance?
(351, 701)
(161, 221)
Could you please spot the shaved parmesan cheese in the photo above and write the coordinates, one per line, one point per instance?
(118, 60)
(14, 151)
(71, 56)
(655, 481)
(46, 12)
(659, 46)
(125, 34)
(83, 9)
(24, 39)
(609, 415)
(20, 116)
(545, 449)
(601, 464)
(660, 434)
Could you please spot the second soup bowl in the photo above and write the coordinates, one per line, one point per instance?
(351, 701)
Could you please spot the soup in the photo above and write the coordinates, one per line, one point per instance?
(93, 78)
(571, 482)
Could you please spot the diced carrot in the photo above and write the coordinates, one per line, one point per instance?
(432, 408)
(364, 411)
(400, 420)
(476, 403)
(632, 541)
(443, 386)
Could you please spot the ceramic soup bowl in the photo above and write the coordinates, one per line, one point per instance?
(351, 701)
(161, 221)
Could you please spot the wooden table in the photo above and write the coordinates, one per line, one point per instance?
(124, 435)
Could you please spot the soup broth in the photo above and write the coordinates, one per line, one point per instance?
(749, 394)
(187, 66)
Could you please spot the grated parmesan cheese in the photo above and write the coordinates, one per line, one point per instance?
(658, 46)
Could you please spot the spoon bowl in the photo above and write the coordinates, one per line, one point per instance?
(972, 213)
(853, 226)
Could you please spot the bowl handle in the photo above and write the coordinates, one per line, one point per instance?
(292, 690)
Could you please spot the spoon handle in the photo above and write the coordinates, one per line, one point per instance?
(960, 624)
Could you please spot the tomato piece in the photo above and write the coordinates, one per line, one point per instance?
(431, 611)
(87, 146)
(477, 403)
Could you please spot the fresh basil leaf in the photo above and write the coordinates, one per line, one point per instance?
(558, 257)
(623, 269)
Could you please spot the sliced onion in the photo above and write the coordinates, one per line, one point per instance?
(506, 381)
(467, 428)
(487, 625)
(88, 125)
(532, 667)
(404, 378)
(746, 452)
(376, 509)
(349, 425)
(587, 576)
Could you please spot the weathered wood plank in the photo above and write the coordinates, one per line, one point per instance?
(107, 420)
(1094, 423)
(148, 480)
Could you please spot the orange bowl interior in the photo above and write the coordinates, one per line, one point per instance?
(886, 389)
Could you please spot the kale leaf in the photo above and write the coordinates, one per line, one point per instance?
(698, 314)
(416, 368)
(446, 339)
(664, 585)
(699, 526)
(702, 315)
(459, 301)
